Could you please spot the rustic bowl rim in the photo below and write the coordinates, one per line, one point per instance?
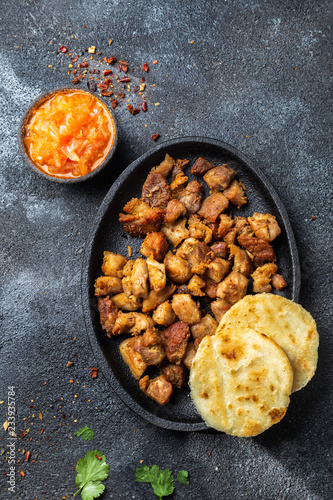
(40, 99)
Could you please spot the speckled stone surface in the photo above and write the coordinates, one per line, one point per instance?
(256, 75)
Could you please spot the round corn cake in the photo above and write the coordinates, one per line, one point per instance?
(281, 319)
(240, 382)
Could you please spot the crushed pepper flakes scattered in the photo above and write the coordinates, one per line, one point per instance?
(69, 364)
(94, 372)
(155, 137)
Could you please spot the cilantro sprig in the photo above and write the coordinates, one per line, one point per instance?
(91, 471)
(86, 433)
(161, 480)
(182, 477)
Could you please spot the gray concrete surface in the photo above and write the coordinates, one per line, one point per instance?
(256, 75)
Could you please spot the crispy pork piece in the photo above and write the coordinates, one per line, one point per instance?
(261, 250)
(175, 374)
(155, 244)
(231, 237)
(262, 278)
(235, 193)
(130, 352)
(125, 303)
(164, 315)
(140, 218)
(197, 342)
(191, 196)
(189, 355)
(219, 308)
(278, 282)
(177, 268)
(201, 166)
(159, 388)
(199, 230)
(198, 254)
(264, 226)
(218, 269)
(174, 340)
(232, 288)
(127, 279)
(156, 273)
(113, 264)
(165, 167)
(107, 285)
(225, 224)
(242, 226)
(176, 232)
(140, 286)
(178, 184)
(154, 299)
(107, 313)
(207, 326)
(156, 191)
(220, 249)
(151, 348)
(242, 262)
(210, 288)
(195, 286)
(179, 168)
(174, 210)
(186, 308)
(213, 206)
(219, 178)
(132, 322)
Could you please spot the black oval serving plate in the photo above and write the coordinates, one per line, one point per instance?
(107, 234)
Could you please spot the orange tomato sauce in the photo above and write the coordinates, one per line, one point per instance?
(69, 135)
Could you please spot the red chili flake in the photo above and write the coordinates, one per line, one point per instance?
(107, 81)
(105, 93)
(22, 473)
(74, 71)
(155, 62)
(107, 72)
(95, 71)
(63, 49)
(99, 458)
(27, 456)
(155, 137)
(102, 86)
(145, 67)
(144, 106)
(135, 111)
(76, 80)
(121, 94)
(130, 107)
(313, 217)
(143, 79)
(110, 60)
(123, 68)
(84, 64)
(22, 434)
(94, 372)
(75, 59)
(114, 103)
(125, 63)
(125, 79)
(42, 430)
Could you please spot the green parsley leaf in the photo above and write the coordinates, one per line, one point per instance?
(183, 477)
(161, 480)
(86, 433)
(142, 474)
(91, 470)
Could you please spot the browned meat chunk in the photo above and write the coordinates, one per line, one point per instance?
(154, 299)
(107, 313)
(174, 340)
(232, 288)
(199, 230)
(242, 262)
(175, 374)
(261, 250)
(164, 315)
(132, 322)
(130, 352)
(174, 210)
(113, 264)
(177, 268)
(125, 303)
(201, 166)
(210, 288)
(159, 388)
(264, 226)
(218, 269)
(236, 193)
(165, 167)
(207, 326)
(155, 244)
(197, 342)
(219, 308)
(140, 218)
(156, 191)
(107, 285)
(231, 237)
(127, 279)
(151, 348)
(212, 206)
(179, 168)
(219, 178)
(262, 277)
(157, 276)
(195, 286)
(225, 224)
(185, 308)
(140, 279)
(278, 282)
(175, 232)
(189, 355)
(220, 249)
(178, 184)
(242, 226)
(191, 196)
(198, 254)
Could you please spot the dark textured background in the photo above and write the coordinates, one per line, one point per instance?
(256, 76)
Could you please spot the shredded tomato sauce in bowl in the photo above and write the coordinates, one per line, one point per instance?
(68, 135)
